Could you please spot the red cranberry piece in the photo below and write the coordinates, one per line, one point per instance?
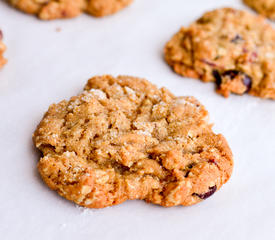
(1, 35)
(190, 166)
(213, 161)
(208, 194)
(245, 78)
(231, 73)
(237, 39)
(247, 82)
(217, 77)
(212, 64)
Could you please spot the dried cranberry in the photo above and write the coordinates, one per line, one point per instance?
(237, 39)
(217, 77)
(254, 54)
(208, 194)
(210, 63)
(231, 73)
(245, 50)
(190, 166)
(247, 82)
(1, 35)
(212, 161)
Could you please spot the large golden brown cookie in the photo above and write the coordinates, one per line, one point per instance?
(2, 50)
(264, 7)
(233, 48)
(123, 138)
(52, 9)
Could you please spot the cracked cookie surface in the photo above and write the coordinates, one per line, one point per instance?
(124, 139)
(52, 9)
(264, 7)
(2, 50)
(233, 48)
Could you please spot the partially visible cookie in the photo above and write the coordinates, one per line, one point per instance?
(233, 48)
(2, 50)
(264, 7)
(100, 8)
(52, 9)
(124, 139)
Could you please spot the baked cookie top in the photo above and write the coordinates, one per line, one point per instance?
(2, 50)
(231, 47)
(52, 9)
(123, 138)
(264, 7)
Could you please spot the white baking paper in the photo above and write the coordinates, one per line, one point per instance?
(47, 65)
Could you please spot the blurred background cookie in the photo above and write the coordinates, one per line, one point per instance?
(51, 9)
(264, 7)
(233, 48)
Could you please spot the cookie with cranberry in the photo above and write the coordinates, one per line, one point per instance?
(52, 9)
(124, 139)
(233, 48)
(264, 7)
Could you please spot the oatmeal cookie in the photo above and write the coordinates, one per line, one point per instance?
(233, 48)
(52, 9)
(123, 139)
(264, 7)
(2, 50)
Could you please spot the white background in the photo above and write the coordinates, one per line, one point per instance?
(46, 66)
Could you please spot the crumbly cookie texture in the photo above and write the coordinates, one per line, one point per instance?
(2, 50)
(264, 7)
(124, 139)
(52, 9)
(233, 48)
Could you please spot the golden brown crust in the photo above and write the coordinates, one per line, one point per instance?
(52, 9)
(232, 47)
(2, 50)
(123, 138)
(99, 8)
(264, 7)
